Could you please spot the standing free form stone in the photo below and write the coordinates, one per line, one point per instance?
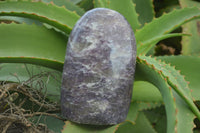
(99, 69)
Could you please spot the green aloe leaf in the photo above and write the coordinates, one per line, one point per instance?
(145, 96)
(188, 66)
(22, 43)
(67, 4)
(145, 10)
(75, 1)
(175, 80)
(33, 76)
(19, 20)
(126, 8)
(158, 118)
(54, 124)
(125, 127)
(146, 92)
(165, 24)
(51, 14)
(145, 72)
(142, 125)
(71, 127)
(86, 4)
(147, 45)
(101, 3)
(148, 105)
(183, 110)
(177, 102)
(191, 45)
(133, 112)
(167, 9)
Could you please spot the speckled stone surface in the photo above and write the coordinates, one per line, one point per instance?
(99, 69)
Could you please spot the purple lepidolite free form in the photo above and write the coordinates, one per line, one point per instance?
(99, 69)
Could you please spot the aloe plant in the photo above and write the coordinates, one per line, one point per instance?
(36, 33)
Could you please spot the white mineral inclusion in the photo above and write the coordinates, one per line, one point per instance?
(102, 105)
(94, 25)
(119, 56)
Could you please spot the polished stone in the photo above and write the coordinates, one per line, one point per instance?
(99, 69)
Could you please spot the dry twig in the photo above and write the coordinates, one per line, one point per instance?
(13, 113)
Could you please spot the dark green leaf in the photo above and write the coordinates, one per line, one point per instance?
(145, 10)
(59, 17)
(32, 44)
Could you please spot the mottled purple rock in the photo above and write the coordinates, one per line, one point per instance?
(99, 69)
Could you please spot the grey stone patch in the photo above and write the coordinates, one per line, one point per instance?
(99, 69)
